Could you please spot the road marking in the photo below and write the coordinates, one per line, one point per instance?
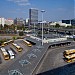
(14, 72)
(24, 62)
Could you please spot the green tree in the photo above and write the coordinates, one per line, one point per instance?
(1, 27)
(21, 33)
(5, 26)
(57, 25)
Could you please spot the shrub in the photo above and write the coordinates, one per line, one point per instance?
(14, 37)
(21, 33)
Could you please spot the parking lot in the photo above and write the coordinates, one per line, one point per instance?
(17, 54)
(26, 62)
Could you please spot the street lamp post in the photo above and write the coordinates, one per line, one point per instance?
(34, 28)
(42, 25)
(48, 28)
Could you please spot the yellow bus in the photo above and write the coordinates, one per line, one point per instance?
(70, 56)
(27, 43)
(70, 60)
(69, 52)
(19, 49)
(5, 54)
(6, 43)
(10, 41)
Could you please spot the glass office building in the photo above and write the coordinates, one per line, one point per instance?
(33, 16)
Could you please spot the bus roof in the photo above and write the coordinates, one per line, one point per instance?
(5, 42)
(70, 56)
(5, 53)
(10, 52)
(16, 45)
(3, 50)
(26, 41)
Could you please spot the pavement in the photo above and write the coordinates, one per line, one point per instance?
(26, 63)
(53, 63)
(26, 69)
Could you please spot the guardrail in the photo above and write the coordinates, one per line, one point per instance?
(54, 40)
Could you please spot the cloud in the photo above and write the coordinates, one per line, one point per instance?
(21, 2)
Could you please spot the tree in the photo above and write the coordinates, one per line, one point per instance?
(57, 25)
(12, 27)
(5, 26)
(1, 27)
(21, 33)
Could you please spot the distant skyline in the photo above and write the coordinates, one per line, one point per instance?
(55, 10)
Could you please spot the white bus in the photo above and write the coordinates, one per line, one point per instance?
(11, 54)
(5, 54)
(19, 49)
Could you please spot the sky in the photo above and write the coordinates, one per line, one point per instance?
(55, 10)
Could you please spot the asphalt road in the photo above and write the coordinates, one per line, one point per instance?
(53, 63)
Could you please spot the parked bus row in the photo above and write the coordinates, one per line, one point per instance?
(11, 41)
(7, 54)
(69, 55)
(69, 52)
(10, 54)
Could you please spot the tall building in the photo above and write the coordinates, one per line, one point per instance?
(2, 21)
(33, 16)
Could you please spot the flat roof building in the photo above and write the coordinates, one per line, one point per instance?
(9, 21)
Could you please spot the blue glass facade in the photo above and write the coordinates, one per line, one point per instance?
(33, 16)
